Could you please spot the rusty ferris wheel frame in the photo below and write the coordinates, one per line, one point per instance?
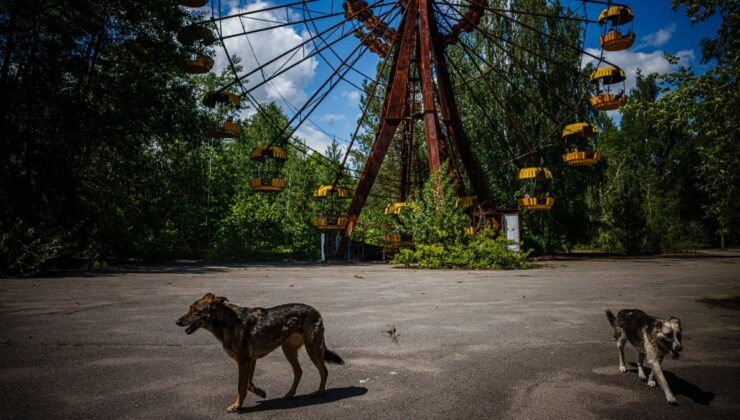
(418, 84)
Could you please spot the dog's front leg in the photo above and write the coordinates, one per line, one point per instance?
(658, 372)
(651, 379)
(243, 383)
(640, 361)
(620, 346)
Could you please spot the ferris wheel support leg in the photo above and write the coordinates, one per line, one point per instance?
(431, 123)
(393, 110)
(453, 123)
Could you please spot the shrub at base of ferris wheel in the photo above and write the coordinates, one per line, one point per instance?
(433, 218)
(487, 250)
(437, 226)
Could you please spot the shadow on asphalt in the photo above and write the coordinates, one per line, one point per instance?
(331, 395)
(724, 303)
(680, 386)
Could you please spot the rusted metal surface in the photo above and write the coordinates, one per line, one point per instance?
(420, 49)
(453, 124)
(393, 110)
(431, 123)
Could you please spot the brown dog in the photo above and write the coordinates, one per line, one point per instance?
(653, 338)
(248, 334)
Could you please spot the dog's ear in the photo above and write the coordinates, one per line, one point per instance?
(676, 320)
(209, 296)
(220, 300)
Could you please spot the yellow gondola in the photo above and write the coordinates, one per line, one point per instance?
(608, 101)
(536, 203)
(200, 65)
(260, 154)
(616, 15)
(582, 158)
(615, 41)
(398, 240)
(268, 177)
(534, 173)
(330, 217)
(328, 190)
(230, 129)
(191, 34)
(605, 100)
(397, 207)
(217, 97)
(465, 202)
(582, 129)
(608, 75)
(267, 184)
(324, 223)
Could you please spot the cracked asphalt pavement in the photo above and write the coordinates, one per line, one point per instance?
(468, 344)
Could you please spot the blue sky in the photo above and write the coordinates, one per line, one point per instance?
(658, 29)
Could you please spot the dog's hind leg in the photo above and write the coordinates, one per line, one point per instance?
(621, 342)
(290, 349)
(314, 340)
(640, 361)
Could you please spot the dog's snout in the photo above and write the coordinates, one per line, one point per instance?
(179, 322)
(677, 347)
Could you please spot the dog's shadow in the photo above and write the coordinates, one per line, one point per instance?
(681, 386)
(331, 395)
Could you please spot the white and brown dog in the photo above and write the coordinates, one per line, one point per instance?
(653, 338)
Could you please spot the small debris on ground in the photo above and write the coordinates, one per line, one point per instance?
(392, 334)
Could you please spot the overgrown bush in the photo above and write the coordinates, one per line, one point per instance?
(483, 251)
(434, 218)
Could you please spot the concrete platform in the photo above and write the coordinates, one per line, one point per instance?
(472, 344)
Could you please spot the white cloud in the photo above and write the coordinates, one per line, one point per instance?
(332, 118)
(352, 96)
(652, 62)
(264, 46)
(314, 138)
(659, 38)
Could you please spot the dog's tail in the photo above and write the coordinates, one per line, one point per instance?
(610, 316)
(332, 357)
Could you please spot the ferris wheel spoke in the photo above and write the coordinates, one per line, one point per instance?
(482, 76)
(529, 13)
(554, 38)
(483, 109)
(493, 68)
(290, 140)
(336, 55)
(522, 66)
(331, 29)
(331, 82)
(361, 120)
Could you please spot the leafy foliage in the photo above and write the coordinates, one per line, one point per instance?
(486, 250)
(433, 217)
(104, 156)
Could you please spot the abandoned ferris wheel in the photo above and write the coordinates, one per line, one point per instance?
(406, 55)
